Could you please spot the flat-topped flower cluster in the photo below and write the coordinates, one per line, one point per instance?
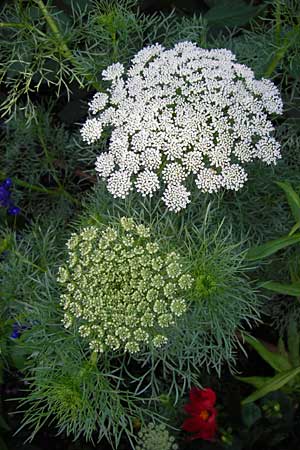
(120, 289)
(182, 113)
(155, 437)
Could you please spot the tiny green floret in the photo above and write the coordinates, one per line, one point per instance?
(120, 288)
(205, 285)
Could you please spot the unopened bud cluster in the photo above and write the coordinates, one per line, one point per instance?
(182, 113)
(121, 290)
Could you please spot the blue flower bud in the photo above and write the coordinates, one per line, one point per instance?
(13, 210)
(7, 183)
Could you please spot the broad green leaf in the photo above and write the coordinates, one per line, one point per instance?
(230, 15)
(292, 289)
(294, 229)
(274, 384)
(292, 198)
(251, 413)
(257, 382)
(281, 348)
(262, 251)
(275, 360)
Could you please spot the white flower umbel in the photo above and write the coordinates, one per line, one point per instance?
(120, 289)
(182, 113)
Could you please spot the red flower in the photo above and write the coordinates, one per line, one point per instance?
(203, 414)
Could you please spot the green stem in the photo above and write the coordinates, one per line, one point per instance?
(52, 168)
(94, 358)
(278, 21)
(287, 43)
(62, 46)
(29, 262)
(32, 187)
(114, 45)
(12, 25)
(43, 190)
(64, 50)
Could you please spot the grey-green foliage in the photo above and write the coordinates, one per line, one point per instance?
(89, 38)
(63, 372)
(46, 156)
(80, 397)
(41, 149)
(68, 385)
(271, 45)
(221, 301)
(34, 55)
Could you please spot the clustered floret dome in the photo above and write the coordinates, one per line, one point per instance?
(181, 113)
(155, 437)
(120, 289)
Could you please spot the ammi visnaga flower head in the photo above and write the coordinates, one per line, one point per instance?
(120, 288)
(181, 117)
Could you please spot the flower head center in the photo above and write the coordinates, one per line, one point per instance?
(205, 285)
(204, 414)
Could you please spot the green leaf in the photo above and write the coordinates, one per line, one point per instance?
(275, 360)
(257, 382)
(3, 424)
(274, 384)
(18, 356)
(281, 348)
(251, 413)
(228, 14)
(4, 244)
(1, 370)
(294, 229)
(295, 67)
(294, 342)
(292, 289)
(262, 251)
(292, 198)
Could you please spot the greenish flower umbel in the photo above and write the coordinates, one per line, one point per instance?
(120, 288)
(155, 437)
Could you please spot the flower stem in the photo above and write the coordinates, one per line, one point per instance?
(12, 25)
(61, 45)
(288, 41)
(50, 163)
(41, 189)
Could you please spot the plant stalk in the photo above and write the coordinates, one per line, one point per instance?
(61, 45)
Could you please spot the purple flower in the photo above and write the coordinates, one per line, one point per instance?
(13, 210)
(5, 200)
(4, 196)
(7, 183)
(15, 334)
(17, 330)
